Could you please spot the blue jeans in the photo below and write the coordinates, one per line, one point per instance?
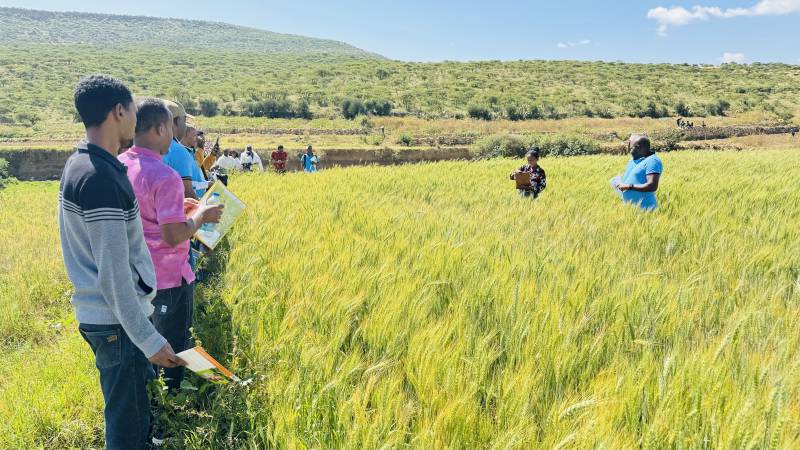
(124, 372)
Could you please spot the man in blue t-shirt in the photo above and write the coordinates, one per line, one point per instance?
(178, 156)
(640, 182)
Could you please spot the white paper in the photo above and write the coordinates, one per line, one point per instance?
(195, 361)
(615, 182)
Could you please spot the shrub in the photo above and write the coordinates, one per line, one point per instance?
(208, 107)
(352, 108)
(277, 109)
(405, 139)
(565, 145)
(302, 110)
(26, 118)
(718, 108)
(5, 176)
(479, 112)
(515, 113)
(682, 110)
(502, 146)
(651, 110)
(515, 146)
(378, 107)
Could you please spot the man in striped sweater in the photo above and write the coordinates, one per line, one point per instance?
(108, 262)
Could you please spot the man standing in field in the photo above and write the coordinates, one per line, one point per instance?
(199, 181)
(249, 159)
(159, 192)
(108, 262)
(640, 181)
(178, 156)
(279, 159)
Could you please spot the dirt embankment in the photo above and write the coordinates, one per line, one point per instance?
(48, 164)
(35, 164)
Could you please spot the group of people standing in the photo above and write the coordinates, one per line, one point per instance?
(128, 208)
(249, 160)
(638, 184)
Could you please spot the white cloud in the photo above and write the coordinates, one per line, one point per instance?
(679, 16)
(728, 57)
(574, 44)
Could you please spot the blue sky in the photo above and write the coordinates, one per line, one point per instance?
(676, 31)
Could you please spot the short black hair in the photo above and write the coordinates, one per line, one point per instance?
(533, 151)
(97, 95)
(152, 113)
(641, 142)
(280, 147)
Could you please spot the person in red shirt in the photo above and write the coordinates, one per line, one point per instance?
(279, 160)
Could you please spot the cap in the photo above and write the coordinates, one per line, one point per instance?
(177, 109)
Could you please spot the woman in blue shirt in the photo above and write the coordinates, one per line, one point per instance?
(640, 182)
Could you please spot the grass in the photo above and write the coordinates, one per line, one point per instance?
(428, 307)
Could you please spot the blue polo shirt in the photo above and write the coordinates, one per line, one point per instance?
(636, 173)
(182, 161)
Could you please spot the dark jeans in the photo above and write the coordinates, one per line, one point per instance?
(124, 372)
(172, 318)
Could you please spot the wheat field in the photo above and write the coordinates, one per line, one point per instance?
(428, 306)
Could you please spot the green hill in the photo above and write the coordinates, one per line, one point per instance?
(45, 27)
(227, 70)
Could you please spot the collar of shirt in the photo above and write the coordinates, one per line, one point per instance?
(143, 152)
(86, 147)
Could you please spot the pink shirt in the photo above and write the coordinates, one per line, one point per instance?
(159, 191)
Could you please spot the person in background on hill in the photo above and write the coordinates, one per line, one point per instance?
(178, 156)
(159, 192)
(278, 160)
(199, 181)
(108, 263)
(249, 159)
(309, 160)
(642, 174)
(538, 177)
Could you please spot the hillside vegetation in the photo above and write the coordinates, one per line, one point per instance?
(61, 28)
(222, 70)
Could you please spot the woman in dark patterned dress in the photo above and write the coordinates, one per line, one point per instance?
(538, 177)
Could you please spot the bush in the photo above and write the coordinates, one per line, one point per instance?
(565, 145)
(515, 113)
(651, 110)
(668, 141)
(277, 109)
(302, 110)
(26, 118)
(352, 108)
(5, 176)
(718, 108)
(378, 107)
(502, 146)
(515, 146)
(208, 107)
(479, 112)
(682, 110)
(405, 140)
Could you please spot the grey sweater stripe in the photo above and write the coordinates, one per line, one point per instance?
(104, 249)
